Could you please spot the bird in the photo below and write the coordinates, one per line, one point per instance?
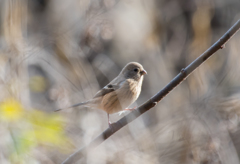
(120, 93)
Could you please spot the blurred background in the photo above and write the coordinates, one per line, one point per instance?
(54, 53)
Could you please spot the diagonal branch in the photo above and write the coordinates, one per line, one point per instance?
(159, 96)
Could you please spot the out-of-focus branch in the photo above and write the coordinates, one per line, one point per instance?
(159, 96)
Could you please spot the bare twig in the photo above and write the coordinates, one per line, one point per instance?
(159, 96)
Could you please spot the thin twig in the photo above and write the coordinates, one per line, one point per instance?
(159, 96)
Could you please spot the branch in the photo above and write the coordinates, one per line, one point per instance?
(159, 96)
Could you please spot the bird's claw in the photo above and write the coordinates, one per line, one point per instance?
(130, 109)
(112, 126)
(121, 112)
(125, 110)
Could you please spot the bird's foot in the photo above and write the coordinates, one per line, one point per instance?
(125, 110)
(130, 109)
(112, 126)
(121, 112)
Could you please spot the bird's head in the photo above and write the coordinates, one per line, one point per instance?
(133, 70)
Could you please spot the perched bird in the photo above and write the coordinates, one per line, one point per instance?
(120, 93)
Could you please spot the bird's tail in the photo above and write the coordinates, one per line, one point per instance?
(75, 105)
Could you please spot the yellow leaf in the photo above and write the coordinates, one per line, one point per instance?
(46, 128)
(11, 110)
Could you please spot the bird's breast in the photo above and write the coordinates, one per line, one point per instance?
(121, 98)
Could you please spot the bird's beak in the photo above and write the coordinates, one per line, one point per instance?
(143, 72)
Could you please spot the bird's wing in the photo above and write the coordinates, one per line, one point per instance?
(112, 86)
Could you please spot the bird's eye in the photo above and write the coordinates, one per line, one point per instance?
(135, 70)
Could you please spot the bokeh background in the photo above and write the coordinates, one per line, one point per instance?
(54, 53)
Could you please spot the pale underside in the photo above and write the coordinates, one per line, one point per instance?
(119, 99)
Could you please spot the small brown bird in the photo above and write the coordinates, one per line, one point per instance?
(120, 93)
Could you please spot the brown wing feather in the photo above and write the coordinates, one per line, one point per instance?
(103, 92)
(108, 88)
